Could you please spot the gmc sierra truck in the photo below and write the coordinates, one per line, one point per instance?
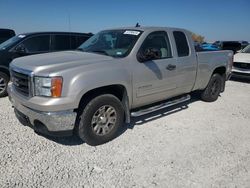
(115, 75)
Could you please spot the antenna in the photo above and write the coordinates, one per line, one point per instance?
(69, 22)
(137, 25)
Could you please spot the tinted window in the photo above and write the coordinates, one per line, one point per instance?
(5, 35)
(81, 39)
(159, 41)
(37, 44)
(61, 42)
(77, 40)
(73, 42)
(181, 43)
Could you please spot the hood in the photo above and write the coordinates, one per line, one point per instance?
(242, 57)
(53, 62)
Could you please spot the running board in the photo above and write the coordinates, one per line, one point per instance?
(160, 106)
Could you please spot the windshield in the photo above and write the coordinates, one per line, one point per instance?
(115, 43)
(246, 49)
(11, 41)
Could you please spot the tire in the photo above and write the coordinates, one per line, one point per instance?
(4, 80)
(100, 119)
(213, 89)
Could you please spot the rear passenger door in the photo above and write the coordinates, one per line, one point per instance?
(186, 63)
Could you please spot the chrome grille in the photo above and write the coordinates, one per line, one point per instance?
(20, 82)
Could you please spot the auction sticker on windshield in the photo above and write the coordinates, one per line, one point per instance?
(21, 36)
(131, 32)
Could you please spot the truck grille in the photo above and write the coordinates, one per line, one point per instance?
(20, 82)
(241, 65)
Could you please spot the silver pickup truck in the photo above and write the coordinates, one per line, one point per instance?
(116, 74)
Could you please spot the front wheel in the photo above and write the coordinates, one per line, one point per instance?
(4, 79)
(213, 89)
(100, 120)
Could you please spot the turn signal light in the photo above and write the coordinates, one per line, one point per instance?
(56, 86)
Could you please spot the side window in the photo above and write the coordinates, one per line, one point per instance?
(159, 41)
(37, 44)
(73, 42)
(61, 42)
(181, 43)
(81, 39)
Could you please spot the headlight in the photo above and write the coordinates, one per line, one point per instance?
(50, 87)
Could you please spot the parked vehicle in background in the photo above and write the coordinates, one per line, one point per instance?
(235, 46)
(244, 44)
(209, 47)
(34, 43)
(5, 34)
(115, 74)
(241, 65)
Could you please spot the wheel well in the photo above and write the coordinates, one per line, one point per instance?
(220, 70)
(116, 90)
(6, 71)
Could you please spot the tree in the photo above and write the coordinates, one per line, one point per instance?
(198, 38)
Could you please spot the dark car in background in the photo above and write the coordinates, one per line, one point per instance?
(35, 43)
(244, 44)
(6, 34)
(231, 45)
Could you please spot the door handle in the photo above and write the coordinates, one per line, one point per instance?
(171, 67)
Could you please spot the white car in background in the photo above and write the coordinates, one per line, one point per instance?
(241, 65)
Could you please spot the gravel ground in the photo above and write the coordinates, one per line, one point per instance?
(198, 145)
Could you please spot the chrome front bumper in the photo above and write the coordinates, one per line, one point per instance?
(60, 121)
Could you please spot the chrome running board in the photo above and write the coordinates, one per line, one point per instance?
(160, 106)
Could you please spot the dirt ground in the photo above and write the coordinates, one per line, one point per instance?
(194, 145)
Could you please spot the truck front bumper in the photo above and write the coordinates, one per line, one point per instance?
(60, 123)
(241, 73)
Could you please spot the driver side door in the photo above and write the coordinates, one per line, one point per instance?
(154, 79)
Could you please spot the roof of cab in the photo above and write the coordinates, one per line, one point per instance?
(55, 32)
(147, 28)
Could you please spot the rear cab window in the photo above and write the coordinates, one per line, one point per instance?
(181, 44)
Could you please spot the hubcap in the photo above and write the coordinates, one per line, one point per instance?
(104, 120)
(2, 85)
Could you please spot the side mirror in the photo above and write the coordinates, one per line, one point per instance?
(149, 54)
(20, 49)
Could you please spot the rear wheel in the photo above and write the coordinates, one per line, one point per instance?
(100, 120)
(213, 89)
(4, 79)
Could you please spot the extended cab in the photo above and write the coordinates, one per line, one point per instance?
(116, 74)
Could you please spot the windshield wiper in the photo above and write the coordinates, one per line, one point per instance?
(100, 51)
(80, 49)
(94, 51)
